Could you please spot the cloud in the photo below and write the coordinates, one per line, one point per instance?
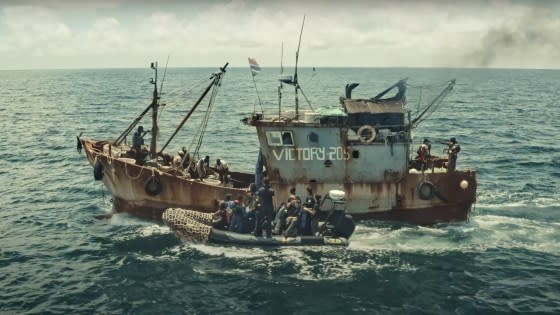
(521, 39)
(33, 29)
(355, 33)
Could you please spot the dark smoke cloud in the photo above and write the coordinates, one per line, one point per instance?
(534, 35)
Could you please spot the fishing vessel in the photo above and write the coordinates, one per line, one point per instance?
(365, 150)
(144, 181)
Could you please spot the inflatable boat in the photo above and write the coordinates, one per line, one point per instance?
(196, 226)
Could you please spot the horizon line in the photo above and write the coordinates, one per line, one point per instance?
(277, 67)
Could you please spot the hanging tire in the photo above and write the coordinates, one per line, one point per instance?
(98, 171)
(153, 186)
(426, 191)
(366, 133)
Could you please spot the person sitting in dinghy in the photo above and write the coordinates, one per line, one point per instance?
(280, 219)
(293, 215)
(221, 217)
(308, 212)
(237, 211)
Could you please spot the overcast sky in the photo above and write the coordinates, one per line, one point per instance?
(125, 33)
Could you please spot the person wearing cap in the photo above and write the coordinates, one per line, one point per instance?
(454, 149)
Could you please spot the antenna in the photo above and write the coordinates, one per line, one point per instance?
(280, 80)
(295, 80)
(163, 78)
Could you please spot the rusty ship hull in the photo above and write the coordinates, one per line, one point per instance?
(126, 181)
(365, 151)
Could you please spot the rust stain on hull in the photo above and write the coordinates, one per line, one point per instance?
(126, 181)
(388, 200)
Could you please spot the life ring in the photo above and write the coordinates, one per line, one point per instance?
(98, 170)
(426, 190)
(153, 186)
(366, 133)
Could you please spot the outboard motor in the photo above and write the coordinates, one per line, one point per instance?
(337, 223)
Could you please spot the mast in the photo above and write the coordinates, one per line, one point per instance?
(295, 81)
(155, 106)
(280, 80)
(216, 79)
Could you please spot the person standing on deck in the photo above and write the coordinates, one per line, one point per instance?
(138, 139)
(223, 171)
(424, 154)
(265, 214)
(454, 149)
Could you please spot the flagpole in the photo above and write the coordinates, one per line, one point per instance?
(255, 68)
(258, 96)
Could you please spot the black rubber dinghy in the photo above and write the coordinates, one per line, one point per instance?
(196, 226)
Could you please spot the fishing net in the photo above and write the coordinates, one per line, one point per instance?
(183, 222)
(202, 217)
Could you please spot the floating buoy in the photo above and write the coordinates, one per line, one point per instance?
(153, 186)
(98, 170)
(426, 190)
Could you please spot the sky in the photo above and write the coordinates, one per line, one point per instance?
(60, 34)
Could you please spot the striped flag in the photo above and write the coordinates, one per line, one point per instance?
(255, 68)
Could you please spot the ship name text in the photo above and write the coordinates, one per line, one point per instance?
(311, 154)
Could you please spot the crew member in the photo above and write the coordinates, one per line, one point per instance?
(223, 171)
(454, 149)
(138, 139)
(220, 217)
(137, 143)
(237, 210)
(265, 213)
(292, 217)
(308, 211)
(424, 154)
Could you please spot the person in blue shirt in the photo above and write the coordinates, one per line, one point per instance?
(237, 210)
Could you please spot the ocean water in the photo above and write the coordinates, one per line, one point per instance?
(57, 258)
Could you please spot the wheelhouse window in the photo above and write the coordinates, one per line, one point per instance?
(280, 138)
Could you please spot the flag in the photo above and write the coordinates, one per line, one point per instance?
(255, 68)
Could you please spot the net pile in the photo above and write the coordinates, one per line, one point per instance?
(202, 217)
(183, 222)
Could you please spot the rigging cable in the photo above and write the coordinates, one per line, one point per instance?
(205, 119)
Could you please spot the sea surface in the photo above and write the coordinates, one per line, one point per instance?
(57, 258)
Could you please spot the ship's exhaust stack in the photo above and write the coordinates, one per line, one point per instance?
(349, 88)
